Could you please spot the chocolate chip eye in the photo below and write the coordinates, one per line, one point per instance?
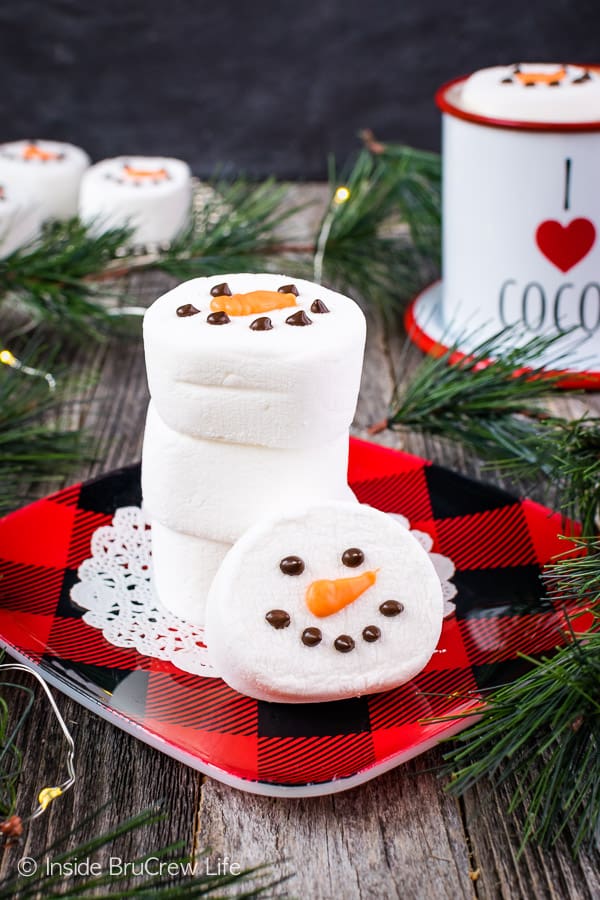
(278, 618)
(188, 309)
(288, 289)
(292, 565)
(220, 290)
(353, 557)
(344, 643)
(311, 637)
(391, 608)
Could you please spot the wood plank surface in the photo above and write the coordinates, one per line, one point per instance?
(399, 836)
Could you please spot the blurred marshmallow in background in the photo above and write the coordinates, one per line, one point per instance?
(48, 171)
(153, 195)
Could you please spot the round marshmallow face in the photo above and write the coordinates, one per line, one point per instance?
(334, 601)
(534, 92)
(150, 194)
(255, 359)
(48, 170)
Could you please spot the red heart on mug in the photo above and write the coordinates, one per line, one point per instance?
(565, 245)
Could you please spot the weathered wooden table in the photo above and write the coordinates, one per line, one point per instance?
(399, 836)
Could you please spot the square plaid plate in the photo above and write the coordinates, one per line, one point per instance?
(497, 542)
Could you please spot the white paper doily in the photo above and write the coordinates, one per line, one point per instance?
(115, 588)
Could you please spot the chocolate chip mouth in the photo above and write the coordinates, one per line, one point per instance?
(312, 636)
(344, 643)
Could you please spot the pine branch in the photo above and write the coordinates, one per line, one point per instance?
(496, 408)
(490, 401)
(377, 243)
(11, 757)
(568, 452)
(419, 192)
(575, 576)
(52, 275)
(30, 449)
(543, 733)
(232, 231)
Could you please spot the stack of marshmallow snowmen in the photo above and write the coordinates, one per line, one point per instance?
(306, 594)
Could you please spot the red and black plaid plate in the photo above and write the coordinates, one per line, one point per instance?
(497, 542)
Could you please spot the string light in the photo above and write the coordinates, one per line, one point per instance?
(341, 195)
(8, 358)
(51, 792)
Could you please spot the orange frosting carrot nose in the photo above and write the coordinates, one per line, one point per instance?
(33, 152)
(252, 302)
(324, 598)
(541, 77)
(156, 174)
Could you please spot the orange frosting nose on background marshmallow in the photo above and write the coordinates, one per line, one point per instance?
(252, 302)
(155, 174)
(541, 77)
(31, 151)
(325, 597)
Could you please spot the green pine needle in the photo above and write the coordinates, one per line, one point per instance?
(542, 732)
(575, 576)
(232, 232)
(490, 400)
(11, 756)
(378, 241)
(568, 453)
(31, 449)
(52, 276)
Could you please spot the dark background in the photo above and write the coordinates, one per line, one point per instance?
(260, 87)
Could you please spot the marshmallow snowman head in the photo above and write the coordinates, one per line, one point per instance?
(255, 359)
(150, 194)
(534, 92)
(333, 601)
(50, 171)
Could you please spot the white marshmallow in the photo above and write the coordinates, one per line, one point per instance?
(151, 194)
(49, 171)
(292, 386)
(218, 490)
(489, 93)
(183, 569)
(20, 219)
(273, 663)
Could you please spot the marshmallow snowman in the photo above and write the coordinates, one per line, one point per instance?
(49, 171)
(330, 601)
(153, 195)
(253, 381)
(255, 359)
